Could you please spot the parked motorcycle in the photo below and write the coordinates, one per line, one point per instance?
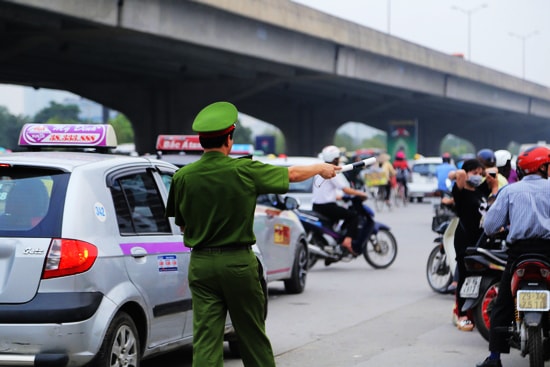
(531, 289)
(375, 239)
(485, 263)
(441, 260)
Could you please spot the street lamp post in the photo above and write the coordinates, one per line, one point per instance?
(523, 38)
(389, 16)
(469, 13)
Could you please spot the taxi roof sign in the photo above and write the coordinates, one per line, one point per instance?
(179, 143)
(68, 135)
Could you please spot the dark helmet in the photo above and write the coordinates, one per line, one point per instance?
(531, 160)
(487, 158)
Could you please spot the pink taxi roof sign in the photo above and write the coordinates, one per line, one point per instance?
(68, 135)
(179, 143)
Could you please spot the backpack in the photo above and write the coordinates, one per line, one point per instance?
(401, 174)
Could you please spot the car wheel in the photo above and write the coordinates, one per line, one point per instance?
(297, 282)
(121, 344)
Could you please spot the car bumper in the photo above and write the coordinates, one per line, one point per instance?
(54, 344)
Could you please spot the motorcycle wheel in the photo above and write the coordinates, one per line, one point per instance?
(380, 250)
(438, 272)
(482, 312)
(534, 340)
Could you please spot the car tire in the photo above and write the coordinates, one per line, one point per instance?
(121, 343)
(297, 282)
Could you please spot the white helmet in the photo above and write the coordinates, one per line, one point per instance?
(330, 153)
(502, 156)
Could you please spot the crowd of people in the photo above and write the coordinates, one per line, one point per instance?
(489, 199)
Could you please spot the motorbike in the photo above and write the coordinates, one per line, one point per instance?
(485, 263)
(375, 240)
(530, 287)
(441, 263)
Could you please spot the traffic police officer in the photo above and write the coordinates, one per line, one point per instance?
(213, 201)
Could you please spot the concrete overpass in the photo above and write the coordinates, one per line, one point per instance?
(160, 61)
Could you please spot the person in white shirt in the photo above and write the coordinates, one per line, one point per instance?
(327, 192)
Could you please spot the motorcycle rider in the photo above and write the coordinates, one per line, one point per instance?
(402, 170)
(524, 209)
(326, 192)
(504, 165)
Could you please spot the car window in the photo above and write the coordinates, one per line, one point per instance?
(166, 180)
(303, 186)
(425, 169)
(31, 201)
(138, 204)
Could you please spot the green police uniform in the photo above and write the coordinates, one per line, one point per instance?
(214, 200)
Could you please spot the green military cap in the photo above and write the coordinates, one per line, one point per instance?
(216, 119)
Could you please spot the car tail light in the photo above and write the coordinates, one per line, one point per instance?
(68, 257)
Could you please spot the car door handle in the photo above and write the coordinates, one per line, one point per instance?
(138, 252)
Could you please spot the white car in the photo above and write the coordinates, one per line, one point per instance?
(423, 180)
(280, 235)
(302, 191)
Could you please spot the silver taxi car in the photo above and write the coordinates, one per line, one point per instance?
(280, 236)
(91, 272)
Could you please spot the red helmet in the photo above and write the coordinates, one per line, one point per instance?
(532, 159)
(400, 155)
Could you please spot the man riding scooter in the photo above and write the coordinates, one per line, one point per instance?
(327, 192)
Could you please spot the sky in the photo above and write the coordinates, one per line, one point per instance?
(442, 25)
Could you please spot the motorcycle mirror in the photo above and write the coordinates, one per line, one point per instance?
(291, 203)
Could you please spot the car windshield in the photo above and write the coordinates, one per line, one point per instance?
(31, 201)
(303, 186)
(425, 169)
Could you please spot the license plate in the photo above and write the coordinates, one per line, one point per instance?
(533, 300)
(470, 288)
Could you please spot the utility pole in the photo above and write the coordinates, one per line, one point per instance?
(469, 13)
(523, 38)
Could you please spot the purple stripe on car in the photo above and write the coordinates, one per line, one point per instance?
(155, 247)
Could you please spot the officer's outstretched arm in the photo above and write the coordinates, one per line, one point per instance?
(301, 173)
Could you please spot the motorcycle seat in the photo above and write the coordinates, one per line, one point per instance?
(318, 216)
(501, 254)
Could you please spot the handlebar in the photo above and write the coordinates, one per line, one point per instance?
(360, 164)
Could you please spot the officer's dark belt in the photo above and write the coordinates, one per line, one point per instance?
(230, 247)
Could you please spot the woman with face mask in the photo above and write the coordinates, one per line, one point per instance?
(470, 193)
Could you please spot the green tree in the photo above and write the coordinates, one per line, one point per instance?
(123, 129)
(58, 113)
(243, 135)
(456, 146)
(10, 127)
(344, 140)
(379, 141)
(351, 144)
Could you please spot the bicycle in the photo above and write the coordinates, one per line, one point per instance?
(376, 194)
(399, 196)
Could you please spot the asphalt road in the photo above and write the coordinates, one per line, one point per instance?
(353, 315)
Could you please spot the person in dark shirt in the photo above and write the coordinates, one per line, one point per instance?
(470, 194)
